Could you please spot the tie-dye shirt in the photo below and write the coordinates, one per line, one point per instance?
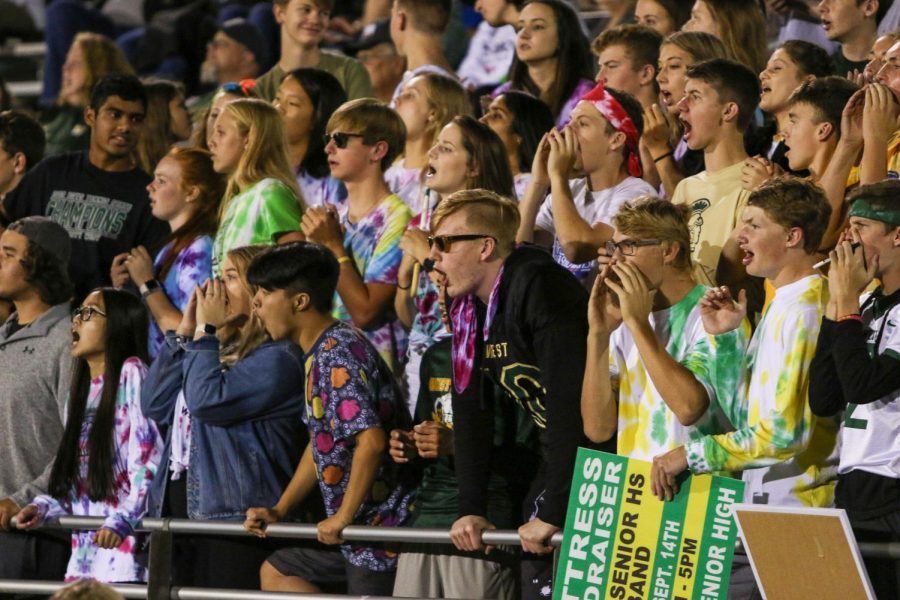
(374, 245)
(349, 389)
(138, 450)
(788, 456)
(191, 268)
(407, 184)
(647, 426)
(256, 216)
(321, 191)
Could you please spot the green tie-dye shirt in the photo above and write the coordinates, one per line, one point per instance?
(647, 426)
(256, 216)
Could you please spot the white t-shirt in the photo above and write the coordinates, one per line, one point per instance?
(491, 52)
(870, 435)
(594, 207)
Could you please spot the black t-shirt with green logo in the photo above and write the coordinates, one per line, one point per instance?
(106, 213)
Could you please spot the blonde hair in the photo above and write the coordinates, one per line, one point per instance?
(87, 589)
(375, 122)
(246, 338)
(101, 58)
(648, 217)
(199, 138)
(489, 212)
(266, 153)
(447, 98)
(699, 44)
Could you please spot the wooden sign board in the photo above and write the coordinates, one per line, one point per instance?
(802, 553)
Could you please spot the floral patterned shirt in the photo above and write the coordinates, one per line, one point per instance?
(191, 268)
(138, 449)
(349, 389)
(374, 245)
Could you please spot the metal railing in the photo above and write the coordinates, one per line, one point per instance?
(162, 530)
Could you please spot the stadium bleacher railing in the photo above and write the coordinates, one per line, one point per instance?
(161, 531)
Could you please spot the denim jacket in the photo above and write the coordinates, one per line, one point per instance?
(247, 433)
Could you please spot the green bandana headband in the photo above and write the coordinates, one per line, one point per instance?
(862, 208)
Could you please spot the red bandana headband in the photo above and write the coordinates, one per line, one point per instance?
(613, 112)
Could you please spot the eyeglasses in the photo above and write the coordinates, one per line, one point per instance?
(340, 138)
(84, 313)
(443, 242)
(628, 247)
(243, 87)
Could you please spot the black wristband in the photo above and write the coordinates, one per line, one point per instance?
(662, 156)
(149, 286)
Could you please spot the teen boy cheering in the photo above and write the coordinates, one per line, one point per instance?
(352, 400)
(785, 452)
(515, 312)
(719, 100)
(667, 372)
(856, 372)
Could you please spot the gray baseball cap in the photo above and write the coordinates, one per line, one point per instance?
(46, 233)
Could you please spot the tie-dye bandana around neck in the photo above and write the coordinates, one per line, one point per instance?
(613, 112)
(465, 325)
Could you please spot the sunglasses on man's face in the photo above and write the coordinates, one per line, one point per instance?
(340, 138)
(443, 242)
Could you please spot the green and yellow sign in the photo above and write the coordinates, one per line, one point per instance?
(622, 543)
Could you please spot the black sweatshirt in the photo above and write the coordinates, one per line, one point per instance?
(844, 370)
(535, 353)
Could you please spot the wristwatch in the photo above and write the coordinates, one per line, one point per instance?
(148, 287)
(206, 329)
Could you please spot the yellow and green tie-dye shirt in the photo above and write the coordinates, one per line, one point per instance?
(647, 426)
(788, 455)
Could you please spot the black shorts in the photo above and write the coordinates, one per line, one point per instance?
(330, 567)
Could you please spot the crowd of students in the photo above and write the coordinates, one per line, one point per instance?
(342, 298)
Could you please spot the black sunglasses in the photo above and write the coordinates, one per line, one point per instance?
(443, 242)
(340, 138)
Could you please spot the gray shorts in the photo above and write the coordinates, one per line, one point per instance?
(421, 574)
(330, 567)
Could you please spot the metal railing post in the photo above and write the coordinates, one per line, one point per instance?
(159, 576)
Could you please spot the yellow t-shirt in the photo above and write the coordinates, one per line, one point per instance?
(893, 161)
(716, 200)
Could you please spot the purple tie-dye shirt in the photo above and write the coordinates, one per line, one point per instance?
(191, 268)
(138, 449)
